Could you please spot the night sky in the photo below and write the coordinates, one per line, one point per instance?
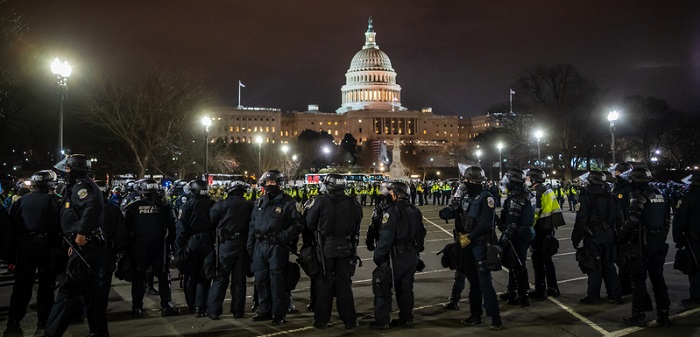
(460, 57)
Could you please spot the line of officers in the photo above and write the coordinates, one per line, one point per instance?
(242, 237)
(622, 220)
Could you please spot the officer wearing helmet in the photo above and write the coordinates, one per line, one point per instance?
(474, 228)
(231, 218)
(596, 220)
(81, 209)
(517, 218)
(401, 239)
(333, 219)
(132, 195)
(644, 233)
(548, 217)
(150, 221)
(275, 224)
(37, 233)
(686, 232)
(116, 241)
(621, 192)
(195, 239)
(181, 196)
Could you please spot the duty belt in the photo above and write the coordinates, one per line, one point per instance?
(268, 238)
(654, 231)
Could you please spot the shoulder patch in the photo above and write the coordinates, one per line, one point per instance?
(619, 196)
(278, 210)
(678, 205)
(491, 202)
(385, 218)
(82, 193)
(67, 204)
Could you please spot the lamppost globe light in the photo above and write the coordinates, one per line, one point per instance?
(478, 153)
(295, 157)
(539, 134)
(258, 139)
(499, 146)
(62, 69)
(206, 121)
(326, 150)
(285, 149)
(613, 116)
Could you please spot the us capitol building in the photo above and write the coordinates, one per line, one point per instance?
(371, 111)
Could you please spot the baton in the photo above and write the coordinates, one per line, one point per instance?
(77, 252)
(514, 252)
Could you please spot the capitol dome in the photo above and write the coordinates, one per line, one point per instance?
(370, 82)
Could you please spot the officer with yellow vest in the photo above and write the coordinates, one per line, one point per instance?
(548, 217)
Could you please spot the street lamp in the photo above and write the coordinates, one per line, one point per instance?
(258, 140)
(612, 117)
(285, 149)
(206, 121)
(478, 157)
(500, 161)
(62, 71)
(431, 162)
(538, 135)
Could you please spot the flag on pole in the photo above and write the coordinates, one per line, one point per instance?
(512, 92)
(240, 84)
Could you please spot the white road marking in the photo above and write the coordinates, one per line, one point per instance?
(438, 226)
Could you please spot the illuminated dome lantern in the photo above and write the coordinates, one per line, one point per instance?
(370, 83)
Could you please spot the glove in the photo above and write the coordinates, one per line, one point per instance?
(576, 244)
(370, 245)
(421, 249)
(464, 240)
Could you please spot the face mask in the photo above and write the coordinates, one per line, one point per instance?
(528, 183)
(273, 190)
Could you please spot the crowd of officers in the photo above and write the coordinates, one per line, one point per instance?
(78, 236)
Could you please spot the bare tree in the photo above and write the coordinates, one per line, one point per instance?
(150, 114)
(559, 97)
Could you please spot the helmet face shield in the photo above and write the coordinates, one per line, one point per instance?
(62, 165)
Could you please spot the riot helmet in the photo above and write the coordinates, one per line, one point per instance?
(536, 175)
(400, 189)
(44, 178)
(516, 176)
(597, 178)
(237, 187)
(640, 175)
(197, 187)
(334, 181)
(147, 186)
(474, 175)
(74, 162)
(272, 175)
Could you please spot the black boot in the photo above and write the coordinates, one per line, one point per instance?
(452, 305)
(662, 318)
(638, 319)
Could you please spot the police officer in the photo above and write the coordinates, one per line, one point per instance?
(646, 229)
(275, 223)
(621, 192)
(335, 220)
(81, 208)
(474, 228)
(37, 229)
(548, 216)
(116, 240)
(401, 239)
(151, 224)
(686, 232)
(517, 218)
(231, 217)
(195, 239)
(596, 220)
(132, 194)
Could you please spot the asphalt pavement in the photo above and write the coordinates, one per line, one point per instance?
(562, 316)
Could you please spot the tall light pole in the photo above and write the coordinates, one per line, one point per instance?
(62, 71)
(500, 161)
(206, 121)
(478, 157)
(258, 139)
(538, 135)
(285, 149)
(431, 162)
(612, 117)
